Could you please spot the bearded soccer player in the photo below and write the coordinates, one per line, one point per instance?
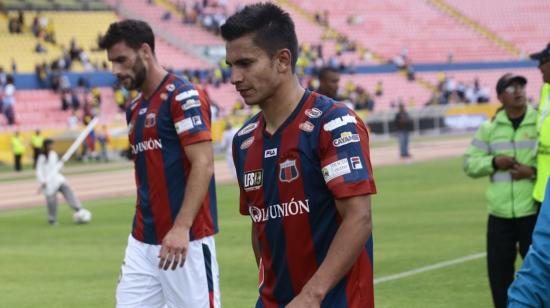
(304, 173)
(171, 257)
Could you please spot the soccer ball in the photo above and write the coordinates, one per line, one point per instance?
(82, 216)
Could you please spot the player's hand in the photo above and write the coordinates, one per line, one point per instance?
(304, 300)
(521, 171)
(174, 248)
(504, 162)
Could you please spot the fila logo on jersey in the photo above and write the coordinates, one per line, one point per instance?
(339, 122)
(277, 211)
(187, 94)
(146, 145)
(253, 180)
(313, 113)
(335, 169)
(247, 143)
(247, 129)
(307, 126)
(150, 120)
(197, 120)
(345, 138)
(356, 162)
(191, 103)
(288, 171)
(270, 153)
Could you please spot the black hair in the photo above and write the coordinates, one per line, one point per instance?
(325, 70)
(130, 31)
(273, 29)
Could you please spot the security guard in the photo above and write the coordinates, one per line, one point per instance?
(543, 125)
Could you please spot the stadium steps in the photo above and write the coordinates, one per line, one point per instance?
(453, 12)
(377, 57)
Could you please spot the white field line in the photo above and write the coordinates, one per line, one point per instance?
(429, 268)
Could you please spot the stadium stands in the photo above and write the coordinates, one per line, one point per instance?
(389, 27)
(524, 23)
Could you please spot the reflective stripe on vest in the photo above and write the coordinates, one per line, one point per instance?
(520, 145)
(480, 145)
(501, 177)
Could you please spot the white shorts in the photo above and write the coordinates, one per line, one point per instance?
(143, 284)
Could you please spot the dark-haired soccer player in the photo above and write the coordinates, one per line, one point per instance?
(175, 219)
(304, 173)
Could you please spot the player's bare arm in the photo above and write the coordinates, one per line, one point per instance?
(345, 248)
(176, 241)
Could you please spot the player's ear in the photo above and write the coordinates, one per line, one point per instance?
(145, 51)
(283, 59)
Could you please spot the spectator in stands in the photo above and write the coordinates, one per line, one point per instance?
(73, 120)
(13, 66)
(379, 89)
(37, 141)
(403, 125)
(39, 48)
(504, 149)
(329, 78)
(18, 149)
(8, 101)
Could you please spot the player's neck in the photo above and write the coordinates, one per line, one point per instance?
(279, 107)
(154, 78)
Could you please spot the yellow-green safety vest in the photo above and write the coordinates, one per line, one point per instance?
(17, 145)
(37, 141)
(543, 152)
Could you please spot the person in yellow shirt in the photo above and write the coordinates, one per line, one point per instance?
(543, 125)
(18, 149)
(36, 142)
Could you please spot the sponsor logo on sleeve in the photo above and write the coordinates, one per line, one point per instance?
(142, 111)
(335, 169)
(307, 126)
(288, 171)
(313, 113)
(247, 129)
(187, 94)
(170, 87)
(339, 122)
(197, 120)
(270, 153)
(191, 103)
(253, 180)
(150, 120)
(356, 162)
(183, 125)
(345, 138)
(247, 143)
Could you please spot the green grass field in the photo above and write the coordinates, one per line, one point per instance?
(423, 214)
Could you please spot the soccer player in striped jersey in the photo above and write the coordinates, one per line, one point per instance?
(170, 258)
(304, 173)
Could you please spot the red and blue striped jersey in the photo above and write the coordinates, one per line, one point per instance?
(175, 116)
(289, 181)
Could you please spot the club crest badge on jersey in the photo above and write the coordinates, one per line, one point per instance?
(288, 171)
(150, 120)
(313, 113)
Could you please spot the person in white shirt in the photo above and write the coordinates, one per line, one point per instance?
(48, 174)
(227, 146)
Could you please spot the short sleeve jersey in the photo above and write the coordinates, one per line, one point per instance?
(289, 182)
(159, 128)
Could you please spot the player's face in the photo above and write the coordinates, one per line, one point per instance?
(252, 70)
(513, 96)
(328, 85)
(128, 65)
(545, 70)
